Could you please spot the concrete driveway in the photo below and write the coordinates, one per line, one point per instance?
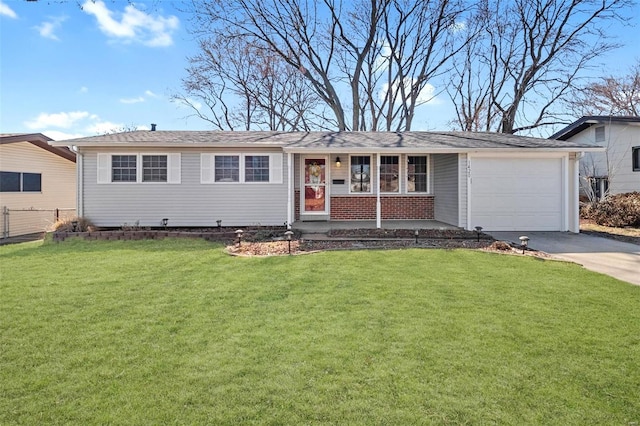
(615, 258)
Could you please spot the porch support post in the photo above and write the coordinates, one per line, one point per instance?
(378, 203)
(290, 191)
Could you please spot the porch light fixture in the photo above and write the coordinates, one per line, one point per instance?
(165, 221)
(524, 243)
(239, 233)
(288, 235)
(478, 232)
(74, 225)
(219, 223)
(338, 162)
(416, 233)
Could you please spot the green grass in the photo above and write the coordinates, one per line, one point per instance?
(176, 332)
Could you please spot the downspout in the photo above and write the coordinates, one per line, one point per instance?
(79, 182)
(566, 217)
(575, 223)
(378, 203)
(290, 191)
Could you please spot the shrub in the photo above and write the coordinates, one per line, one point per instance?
(616, 210)
(66, 225)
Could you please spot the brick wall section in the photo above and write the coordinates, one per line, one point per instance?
(396, 207)
(296, 203)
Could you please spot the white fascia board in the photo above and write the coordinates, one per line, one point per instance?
(153, 145)
(487, 151)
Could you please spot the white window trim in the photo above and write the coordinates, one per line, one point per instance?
(208, 170)
(104, 168)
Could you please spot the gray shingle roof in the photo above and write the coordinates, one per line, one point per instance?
(330, 141)
(591, 120)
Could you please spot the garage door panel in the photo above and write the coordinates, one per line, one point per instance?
(516, 194)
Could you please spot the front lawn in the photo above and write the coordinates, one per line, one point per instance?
(176, 332)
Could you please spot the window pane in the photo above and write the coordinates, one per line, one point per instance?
(123, 168)
(256, 168)
(389, 172)
(635, 156)
(9, 182)
(227, 168)
(417, 174)
(154, 168)
(360, 173)
(31, 182)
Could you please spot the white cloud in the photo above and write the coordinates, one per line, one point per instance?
(458, 26)
(7, 11)
(47, 29)
(63, 120)
(426, 96)
(77, 124)
(84, 89)
(132, 100)
(133, 25)
(102, 127)
(150, 94)
(57, 135)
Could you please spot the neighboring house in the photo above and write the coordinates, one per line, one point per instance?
(35, 180)
(195, 178)
(615, 171)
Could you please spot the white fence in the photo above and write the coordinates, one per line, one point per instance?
(16, 222)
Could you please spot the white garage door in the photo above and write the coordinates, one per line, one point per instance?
(516, 194)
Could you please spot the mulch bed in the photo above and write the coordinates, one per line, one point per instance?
(280, 248)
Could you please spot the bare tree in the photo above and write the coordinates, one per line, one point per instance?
(243, 85)
(530, 55)
(610, 95)
(338, 49)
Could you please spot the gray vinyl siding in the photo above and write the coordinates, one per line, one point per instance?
(445, 187)
(189, 203)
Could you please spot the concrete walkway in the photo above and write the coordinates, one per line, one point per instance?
(615, 258)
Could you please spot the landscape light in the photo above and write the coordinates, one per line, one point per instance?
(239, 233)
(478, 231)
(524, 243)
(288, 235)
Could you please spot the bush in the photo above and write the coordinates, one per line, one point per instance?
(66, 225)
(616, 210)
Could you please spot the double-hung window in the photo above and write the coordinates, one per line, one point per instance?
(20, 182)
(154, 168)
(124, 168)
(240, 168)
(360, 169)
(389, 173)
(417, 173)
(256, 168)
(139, 168)
(227, 168)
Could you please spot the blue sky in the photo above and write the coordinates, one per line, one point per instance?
(70, 71)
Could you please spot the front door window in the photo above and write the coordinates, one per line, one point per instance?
(315, 185)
